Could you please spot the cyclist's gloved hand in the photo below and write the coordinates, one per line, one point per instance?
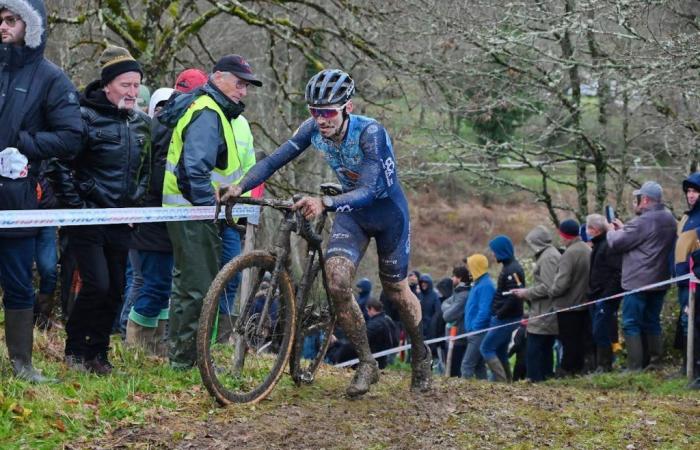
(226, 193)
(311, 207)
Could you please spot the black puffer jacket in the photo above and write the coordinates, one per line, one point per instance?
(39, 112)
(507, 306)
(606, 270)
(154, 236)
(112, 169)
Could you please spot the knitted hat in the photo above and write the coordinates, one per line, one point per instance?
(190, 79)
(478, 265)
(569, 229)
(116, 61)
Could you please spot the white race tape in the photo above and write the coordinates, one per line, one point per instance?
(391, 351)
(112, 216)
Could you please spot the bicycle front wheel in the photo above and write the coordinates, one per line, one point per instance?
(241, 356)
(314, 326)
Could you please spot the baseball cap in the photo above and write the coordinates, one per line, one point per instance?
(650, 189)
(189, 80)
(238, 66)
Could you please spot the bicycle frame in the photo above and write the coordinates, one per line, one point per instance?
(292, 222)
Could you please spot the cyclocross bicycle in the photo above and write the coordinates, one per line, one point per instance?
(244, 363)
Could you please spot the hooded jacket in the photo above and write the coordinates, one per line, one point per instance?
(365, 290)
(546, 263)
(512, 276)
(204, 146)
(477, 311)
(112, 168)
(571, 282)
(39, 109)
(429, 302)
(687, 231)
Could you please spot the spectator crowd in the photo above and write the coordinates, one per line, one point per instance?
(113, 145)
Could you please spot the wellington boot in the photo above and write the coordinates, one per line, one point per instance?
(19, 336)
(141, 337)
(497, 369)
(635, 352)
(655, 346)
(604, 357)
(366, 374)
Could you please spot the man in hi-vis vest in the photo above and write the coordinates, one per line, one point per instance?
(211, 145)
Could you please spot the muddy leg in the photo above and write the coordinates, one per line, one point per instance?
(409, 311)
(341, 273)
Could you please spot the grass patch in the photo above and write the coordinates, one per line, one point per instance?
(145, 404)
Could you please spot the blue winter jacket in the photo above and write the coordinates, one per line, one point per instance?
(477, 314)
(39, 109)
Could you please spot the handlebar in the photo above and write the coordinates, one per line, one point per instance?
(303, 225)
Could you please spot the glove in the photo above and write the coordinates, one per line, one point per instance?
(13, 164)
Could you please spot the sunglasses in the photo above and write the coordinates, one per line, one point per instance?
(326, 112)
(11, 21)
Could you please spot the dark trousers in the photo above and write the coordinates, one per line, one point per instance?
(540, 361)
(101, 253)
(457, 356)
(604, 322)
(575, 336)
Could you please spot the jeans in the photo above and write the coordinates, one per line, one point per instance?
(152, 298)
(495, 343)
(604, 321)
(540, 358)
(16, 259)
(101, 252)
(134, 282)
(575, 337)
(472, 362)
(230, 248)
(46, 256)
(641, 313)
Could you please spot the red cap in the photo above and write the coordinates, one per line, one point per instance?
(190, 79)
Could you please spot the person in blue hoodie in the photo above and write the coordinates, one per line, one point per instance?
(429, 303)
(364, 291)
(477, 315)
(506, 309)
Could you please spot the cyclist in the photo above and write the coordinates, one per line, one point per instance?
(372, 204)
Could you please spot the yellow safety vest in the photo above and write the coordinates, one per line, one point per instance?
(239, 142)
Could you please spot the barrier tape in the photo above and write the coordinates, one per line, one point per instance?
(113, 216)
(391, 351)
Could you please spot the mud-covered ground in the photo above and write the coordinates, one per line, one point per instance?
(456, 414)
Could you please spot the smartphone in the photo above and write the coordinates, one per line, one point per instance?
(609, 213)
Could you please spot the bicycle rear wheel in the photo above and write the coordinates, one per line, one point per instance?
(245, 367)
(314, 327)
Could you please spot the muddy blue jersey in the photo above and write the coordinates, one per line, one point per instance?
(363, 162)
(372, 203)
